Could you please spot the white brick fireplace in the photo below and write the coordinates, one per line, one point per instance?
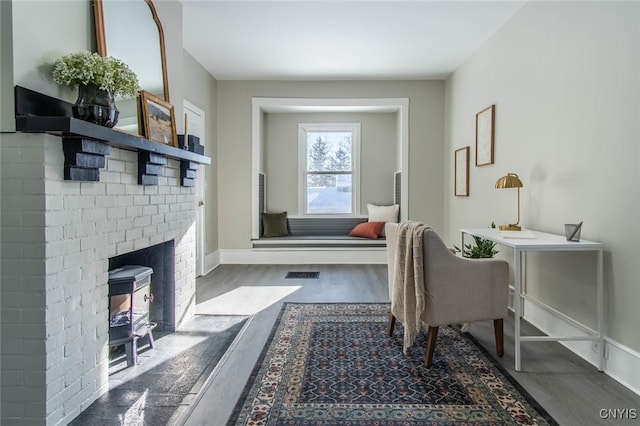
(57, 238)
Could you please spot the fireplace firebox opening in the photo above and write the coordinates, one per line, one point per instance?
(141, 296)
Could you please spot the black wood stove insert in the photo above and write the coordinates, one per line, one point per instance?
(129, 306)
(142, 292)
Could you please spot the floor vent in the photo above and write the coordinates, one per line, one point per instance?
(303, 274)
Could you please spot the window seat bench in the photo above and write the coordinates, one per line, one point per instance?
(329, 232)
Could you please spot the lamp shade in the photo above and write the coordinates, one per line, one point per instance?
(510, 180)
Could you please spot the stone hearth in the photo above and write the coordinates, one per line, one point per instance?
(57, 238)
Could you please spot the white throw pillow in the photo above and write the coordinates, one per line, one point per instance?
(383, 214)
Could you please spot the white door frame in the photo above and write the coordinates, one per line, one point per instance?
(189, 108)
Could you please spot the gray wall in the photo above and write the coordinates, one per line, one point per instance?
(567, 122)
(377, 156)
(38, 41)
(426, 120)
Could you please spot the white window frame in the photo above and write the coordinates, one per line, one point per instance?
(303, 129)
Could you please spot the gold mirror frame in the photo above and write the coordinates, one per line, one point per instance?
(131, 119)
(98, 14)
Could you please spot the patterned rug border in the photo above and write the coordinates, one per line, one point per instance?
(265, 350)
(256, 368)
(525, 394)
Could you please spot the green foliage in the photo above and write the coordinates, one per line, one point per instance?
(318, 156)
(483, 249)
(341, 160)
(322, 158)
(107, 73)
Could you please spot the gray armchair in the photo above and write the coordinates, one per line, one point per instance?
(458, 290)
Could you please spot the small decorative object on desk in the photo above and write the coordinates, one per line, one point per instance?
(99, 79)
(572, 231)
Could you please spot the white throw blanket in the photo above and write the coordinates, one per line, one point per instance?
(408, 283)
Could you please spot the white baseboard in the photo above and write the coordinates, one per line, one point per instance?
(303, 256)
(621, 363)
(211, 261)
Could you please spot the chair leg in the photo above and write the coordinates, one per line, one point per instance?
(432, 336)
(392, 324)
(498, 330)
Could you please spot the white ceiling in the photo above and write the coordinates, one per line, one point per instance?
(338, 40)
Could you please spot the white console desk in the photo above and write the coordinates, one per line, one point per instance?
(547, 243)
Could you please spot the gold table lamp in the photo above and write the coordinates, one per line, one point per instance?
(510, 180)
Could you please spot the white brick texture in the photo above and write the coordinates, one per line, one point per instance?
(57, 238)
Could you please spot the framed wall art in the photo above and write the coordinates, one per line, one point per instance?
(158, 118)
(485, 121)
(461, 172)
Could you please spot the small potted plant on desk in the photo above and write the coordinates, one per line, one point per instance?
(99, 79)
(483, 249)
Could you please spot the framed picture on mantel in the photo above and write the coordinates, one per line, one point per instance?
(485, 121)
(158, 118)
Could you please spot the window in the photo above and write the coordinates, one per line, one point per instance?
(329, 181)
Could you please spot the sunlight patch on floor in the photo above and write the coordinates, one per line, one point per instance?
(135, 414)
(168, 346)
(246, 300)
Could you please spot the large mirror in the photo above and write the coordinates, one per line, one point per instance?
(131, 31)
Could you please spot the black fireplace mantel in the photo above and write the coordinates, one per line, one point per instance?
(88, 143)
(69, 126)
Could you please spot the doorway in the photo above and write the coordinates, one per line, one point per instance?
(194, 125)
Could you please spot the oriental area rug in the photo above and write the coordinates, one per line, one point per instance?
(334, 364)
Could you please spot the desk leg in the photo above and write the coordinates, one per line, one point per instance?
(600, 302)
(517, 305)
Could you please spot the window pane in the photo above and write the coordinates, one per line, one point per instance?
(328, 193)
(329, 151)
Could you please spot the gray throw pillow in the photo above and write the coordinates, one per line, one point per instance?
(274, 225)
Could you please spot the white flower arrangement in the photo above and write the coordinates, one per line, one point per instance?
(107, 73)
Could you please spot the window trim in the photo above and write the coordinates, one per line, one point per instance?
(303, 128)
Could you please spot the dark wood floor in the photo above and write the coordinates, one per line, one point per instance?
(569, 388)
